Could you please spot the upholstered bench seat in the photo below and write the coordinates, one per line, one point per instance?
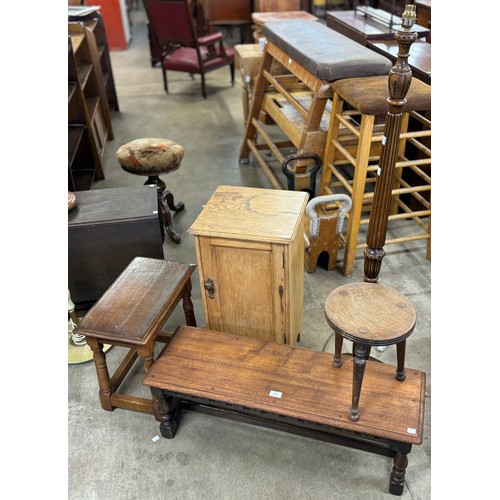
(314, 57)
(323, 52)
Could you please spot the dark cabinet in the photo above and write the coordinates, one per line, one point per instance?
(106, 230)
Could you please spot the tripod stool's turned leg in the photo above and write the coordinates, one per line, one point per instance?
(337, 357)
(401, 351)
(360, 352)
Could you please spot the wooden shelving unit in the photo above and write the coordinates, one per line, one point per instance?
(81, 165)
(91, 99)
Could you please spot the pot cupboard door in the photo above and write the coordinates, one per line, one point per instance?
(243, 287)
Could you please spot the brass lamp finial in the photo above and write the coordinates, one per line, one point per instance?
(409, 17)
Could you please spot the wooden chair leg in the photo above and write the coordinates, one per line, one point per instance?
(165, 83)
(203, 87)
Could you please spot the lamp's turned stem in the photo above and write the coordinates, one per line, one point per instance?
(399, 83)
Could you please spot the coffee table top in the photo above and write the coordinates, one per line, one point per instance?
(291, 381)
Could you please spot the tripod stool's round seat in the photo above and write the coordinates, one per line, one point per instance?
(370, 314)
(150, 156)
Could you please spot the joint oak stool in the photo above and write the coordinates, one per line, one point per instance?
(153, 157)
(369, 314)
(131, 313)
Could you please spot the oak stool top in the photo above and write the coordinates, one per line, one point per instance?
(370, 313)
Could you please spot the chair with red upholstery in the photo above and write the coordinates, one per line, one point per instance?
(172, 24)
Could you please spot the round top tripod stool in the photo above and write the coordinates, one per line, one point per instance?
(154, 157)
(369, 314)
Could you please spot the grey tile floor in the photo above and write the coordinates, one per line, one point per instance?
(112, 455)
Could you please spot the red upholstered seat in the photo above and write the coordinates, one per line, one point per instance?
(186, 59)
(172, 26)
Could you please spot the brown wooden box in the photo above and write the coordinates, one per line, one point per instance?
(106, 230)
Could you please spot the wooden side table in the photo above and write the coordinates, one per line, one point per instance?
(131, 314)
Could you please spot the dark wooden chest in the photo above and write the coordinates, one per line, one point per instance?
(106, 230)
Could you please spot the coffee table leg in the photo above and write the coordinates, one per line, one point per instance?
(166, 411)
(397, 482)
(103, 379)
(187, 305)
(401, 350)
(360, 352)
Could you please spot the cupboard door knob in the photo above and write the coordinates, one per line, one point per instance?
(209, 287)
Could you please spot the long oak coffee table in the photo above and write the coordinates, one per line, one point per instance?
(288, 388)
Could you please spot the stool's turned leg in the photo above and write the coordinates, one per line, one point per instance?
(187, 305)
(400, 371)
(166, 411)
(397, 481)
(103, 379)
(337, 358)
(360, 352)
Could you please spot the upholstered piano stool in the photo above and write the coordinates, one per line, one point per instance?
(131, 314)
(352, 154)
(153, 157)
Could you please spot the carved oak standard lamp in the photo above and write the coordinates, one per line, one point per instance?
(399, 83)
(368, 313)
